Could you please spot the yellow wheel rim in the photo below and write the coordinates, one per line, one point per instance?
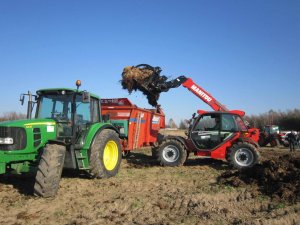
(110, 155)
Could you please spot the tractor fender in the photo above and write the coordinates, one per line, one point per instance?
(94, 130)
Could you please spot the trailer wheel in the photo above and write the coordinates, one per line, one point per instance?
(126, 154)
(171, 153)
(243, 155)
(105, 155)
(49, 170)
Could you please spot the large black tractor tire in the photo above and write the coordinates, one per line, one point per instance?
(286, 144)
(171, 153)
(105, 155)
(262, 141)
(49, 170)
(243, 155)
(154, 152)
(274, 142)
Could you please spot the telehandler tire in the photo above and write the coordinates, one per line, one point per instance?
(171, 152)
(105, 154)
(49, 170)
(243, 155)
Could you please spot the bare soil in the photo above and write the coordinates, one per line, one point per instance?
(203, 191)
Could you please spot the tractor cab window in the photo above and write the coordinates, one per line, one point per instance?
(59, 108)
(86, 112)
(56, 107)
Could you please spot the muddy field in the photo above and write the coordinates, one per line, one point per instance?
(204, 191)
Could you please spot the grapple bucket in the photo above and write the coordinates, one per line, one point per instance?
(148, 80)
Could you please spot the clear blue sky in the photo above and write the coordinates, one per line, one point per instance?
(245, 53)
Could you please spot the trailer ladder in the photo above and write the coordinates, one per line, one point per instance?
(137, 130)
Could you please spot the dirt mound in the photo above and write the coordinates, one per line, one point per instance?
(134, 79)
(278, 178)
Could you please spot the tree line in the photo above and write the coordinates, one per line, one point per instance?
(12, 116)
(288, 120)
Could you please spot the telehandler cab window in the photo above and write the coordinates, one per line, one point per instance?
(228, 123)
(240, 123)
(208, 122)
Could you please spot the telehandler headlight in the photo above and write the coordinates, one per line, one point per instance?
(6, 141)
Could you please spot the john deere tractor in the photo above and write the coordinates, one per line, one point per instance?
(66, 132)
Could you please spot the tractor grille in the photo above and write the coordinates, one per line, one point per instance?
(37, 137)
(19, 136)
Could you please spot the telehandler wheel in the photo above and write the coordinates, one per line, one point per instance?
(49, 170)
(171, 153)
(105, 155)
(243, 155)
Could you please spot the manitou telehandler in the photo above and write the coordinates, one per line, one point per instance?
(219, 134)
(67, 132)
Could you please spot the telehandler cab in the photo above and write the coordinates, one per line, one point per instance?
(67, 132)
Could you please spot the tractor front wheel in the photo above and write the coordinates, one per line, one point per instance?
(171, 153)
(49, 170)
(105, 155)
(243, 155)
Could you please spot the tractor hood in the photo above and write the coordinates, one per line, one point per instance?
(26, 135)
(28, 123)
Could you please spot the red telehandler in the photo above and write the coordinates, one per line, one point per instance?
(219, 134)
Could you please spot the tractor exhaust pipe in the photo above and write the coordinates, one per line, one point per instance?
(29, 106)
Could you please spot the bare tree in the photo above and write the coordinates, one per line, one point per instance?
(12, 116)
(172, 124)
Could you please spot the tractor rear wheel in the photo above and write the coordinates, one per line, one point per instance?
(49, 170)
(243, 155)
(105, 155)
(171, 153)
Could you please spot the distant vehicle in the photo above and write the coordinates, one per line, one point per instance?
(285, 138)
(269, 135)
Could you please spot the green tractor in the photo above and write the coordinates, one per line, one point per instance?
(67, 132)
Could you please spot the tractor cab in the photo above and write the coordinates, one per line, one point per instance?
(72, 110)
(211, 129)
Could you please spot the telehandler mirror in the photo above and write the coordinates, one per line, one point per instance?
(22, 97)
(86, 97)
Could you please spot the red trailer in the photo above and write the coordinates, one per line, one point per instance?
(138, 127)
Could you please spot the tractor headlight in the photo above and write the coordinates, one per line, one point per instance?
(6, 141)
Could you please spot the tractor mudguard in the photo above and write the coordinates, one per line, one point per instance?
(97, 128)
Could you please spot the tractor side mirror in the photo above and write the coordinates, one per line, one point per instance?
(22, 97)
(86, 98)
